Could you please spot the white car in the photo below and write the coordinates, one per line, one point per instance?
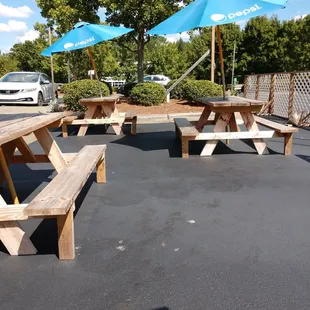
(25, 88)
(159, 79)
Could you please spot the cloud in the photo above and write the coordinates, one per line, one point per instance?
(21, 11)
(30, 35)
(13, 26)
(299, 17)
(176, 37)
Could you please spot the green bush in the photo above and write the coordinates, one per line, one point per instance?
(77, 90)
(147, 94)
(127, 88)
(193, 89)
(196, 89)
(177, 92)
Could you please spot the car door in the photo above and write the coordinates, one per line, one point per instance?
(49, 87)
(44, 88)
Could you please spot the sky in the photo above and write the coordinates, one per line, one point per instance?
(17, 18)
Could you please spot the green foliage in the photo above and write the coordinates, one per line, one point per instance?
(7, 64)
(126, 90)
(192, 89)
(147, 94)
(77, 90)
(178, 91)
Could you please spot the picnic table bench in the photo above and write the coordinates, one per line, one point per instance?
(225, 120)
(57, 199)
(100, 111)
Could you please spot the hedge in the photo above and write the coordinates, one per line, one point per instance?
(147, 94)
(77, 90)
(193, 89)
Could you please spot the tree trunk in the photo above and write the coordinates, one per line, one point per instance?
(141, 56)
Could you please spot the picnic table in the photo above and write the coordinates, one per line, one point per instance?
(101, 111)
(225, 126)
(57, 199)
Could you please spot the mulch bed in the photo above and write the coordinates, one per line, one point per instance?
(174, 106)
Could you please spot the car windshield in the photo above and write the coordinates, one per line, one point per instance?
(21, 78)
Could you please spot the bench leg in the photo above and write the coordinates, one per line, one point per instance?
(65, 225)
(15, 240)
(101, 171)
(64, 128)
(177, 132)
(185, 147)
(134, 126)
(288, 144)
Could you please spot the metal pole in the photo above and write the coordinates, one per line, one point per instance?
(221, 59)
(213, 54)
(52, 64)
(95, 69)
(233, 68)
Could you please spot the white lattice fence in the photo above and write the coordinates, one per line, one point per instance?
(287, 93)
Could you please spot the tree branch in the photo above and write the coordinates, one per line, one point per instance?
(127, 47)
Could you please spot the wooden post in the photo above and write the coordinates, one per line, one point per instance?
(213, 54)
(257, 87)
(95, 69)
(245, 86)
(271, 93)
(221, 59)
(291, 96)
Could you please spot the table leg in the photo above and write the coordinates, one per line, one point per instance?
(233, 124)
(112, 112)
(88, 115)
(50, 148)
(8, 177)
(25, 150)
(251, 125)
(220, 126)
(203, 119)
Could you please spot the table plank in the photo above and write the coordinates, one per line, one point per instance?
(28, 125)
(231, 101)
(104, 100)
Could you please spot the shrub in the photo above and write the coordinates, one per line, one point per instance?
(77, 90)
(148, 94)
(126, 89)
(177, 92)
(193, 89)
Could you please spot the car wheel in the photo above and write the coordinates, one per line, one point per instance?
(40, 100)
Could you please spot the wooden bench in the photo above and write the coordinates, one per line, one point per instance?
(78, 119)
(281, 131)
(56, 200)
(186, 132)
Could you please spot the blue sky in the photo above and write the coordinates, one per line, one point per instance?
(18, 16)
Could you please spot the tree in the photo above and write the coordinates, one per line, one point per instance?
(141, 15)
(7, 64)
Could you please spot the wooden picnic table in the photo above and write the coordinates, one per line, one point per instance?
(225, 118)
(13, 129)
(101, 111)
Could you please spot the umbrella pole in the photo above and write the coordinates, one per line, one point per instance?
(95, 69)
(221, 59)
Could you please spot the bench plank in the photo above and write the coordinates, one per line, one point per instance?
(276, 126)
(186, 128)
(59, 195)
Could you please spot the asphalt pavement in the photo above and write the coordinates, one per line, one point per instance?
(226, 232)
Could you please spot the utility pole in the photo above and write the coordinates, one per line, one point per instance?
(52, 63)
(233, 67)
(213, 54)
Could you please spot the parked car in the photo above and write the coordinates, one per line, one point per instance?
(159, 79)
(26, 88)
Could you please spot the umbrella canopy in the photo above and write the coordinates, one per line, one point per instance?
(85, 35)
(202, 13)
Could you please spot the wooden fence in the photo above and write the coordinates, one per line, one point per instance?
(287, 94)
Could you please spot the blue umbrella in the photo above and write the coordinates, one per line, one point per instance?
(202, 13)
(84, 35)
